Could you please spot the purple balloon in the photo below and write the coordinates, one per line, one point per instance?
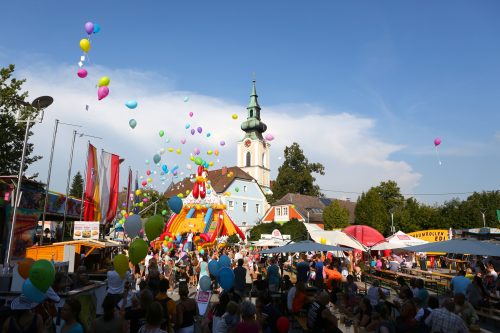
(192, 131)
(196, 151)
(199, 129)
(89, 28)
(222, 143)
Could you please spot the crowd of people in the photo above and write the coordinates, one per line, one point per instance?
(269, 294)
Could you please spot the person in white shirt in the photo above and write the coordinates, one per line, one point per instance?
(116, 284)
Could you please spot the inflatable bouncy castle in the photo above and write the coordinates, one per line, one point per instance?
(203, 214)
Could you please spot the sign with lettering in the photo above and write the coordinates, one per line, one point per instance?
(437, 235)
(202, 299)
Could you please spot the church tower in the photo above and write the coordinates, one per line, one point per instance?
(253, 150)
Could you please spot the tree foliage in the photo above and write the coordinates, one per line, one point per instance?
(335, 217)
(294, 228)
(76, 189)
(371, 210)
(295, 175)
(11, 133)
(145, 199)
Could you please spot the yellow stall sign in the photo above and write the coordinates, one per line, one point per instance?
(437, 235)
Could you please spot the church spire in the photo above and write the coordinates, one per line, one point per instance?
(253, 126)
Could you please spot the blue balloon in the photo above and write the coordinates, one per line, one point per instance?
(213, 267)
(205, 283)
(32, 292)
(131, 104)
(157, 158)
(175, 204)
(164, 167)
(97, 28)
(226, 278)
(224, 261)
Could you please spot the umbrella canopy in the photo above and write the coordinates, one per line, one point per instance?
(304, 246)
(336, 237)
(397, 241)
(459, 246)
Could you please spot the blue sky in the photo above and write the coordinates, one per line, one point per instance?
(399, 73)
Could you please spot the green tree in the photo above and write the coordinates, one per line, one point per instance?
(76, 189)
(295, 175)
(263, 228)
(146, 200)
(233, 239)
(391, 194)
(335, 217)
(297, 230)
(371, 210)
(472, 208)
(11, 133)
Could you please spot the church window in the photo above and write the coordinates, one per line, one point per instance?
(245, 207)
(251, 113)
(285, 211)
(244, 188)
(249, 157)
(231, 205)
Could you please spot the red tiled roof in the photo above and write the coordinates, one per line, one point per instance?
(218, 178)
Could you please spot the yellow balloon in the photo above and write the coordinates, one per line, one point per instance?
(191, 158)
(85, 45)
(187, 192)
(131, 213)
(209, 152)
(178, 151)
(150, 180)
(235, 116)
(137, 192)
(180, 195)
(170, 149)
(211, 163)
(103, 81)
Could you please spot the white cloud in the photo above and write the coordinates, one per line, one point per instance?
(353, 156)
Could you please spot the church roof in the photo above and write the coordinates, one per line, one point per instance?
(218, 178)
(253, 126)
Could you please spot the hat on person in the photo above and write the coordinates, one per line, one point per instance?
(22, 303)
(52, 295)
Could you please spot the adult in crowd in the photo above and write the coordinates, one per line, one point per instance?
(168, 305)
(240, 278)
(302, 269)
(23, 318)
(110, 322)
(445, 320)
(248, 323)
(273, 275)
(465, 310)
(363, 315)
(422, 294)
(204, 271)
(460, 283)
(229, 319)
(116, 284)
(476, 293)
(154, 319)
(319, 317)
(187, 311)
(136, 315)
(70, 313)
(375, 293)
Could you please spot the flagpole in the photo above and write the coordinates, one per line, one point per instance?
(129, 184)
(85, 181)
(67, 183)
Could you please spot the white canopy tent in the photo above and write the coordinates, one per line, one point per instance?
(398, 241)
(270, 242)
(336, 237)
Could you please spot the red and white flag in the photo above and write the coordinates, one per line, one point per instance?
(109, 178)
(91, 203)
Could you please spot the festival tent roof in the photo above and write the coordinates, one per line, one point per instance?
(304, 246)
(397, 241)
(364, 234)
(270, 242)
(336, 237)
(459, 246)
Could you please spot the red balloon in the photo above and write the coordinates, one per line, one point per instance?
(282, 324)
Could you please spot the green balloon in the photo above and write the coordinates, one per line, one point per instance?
(42, 274)
(164, 212)
(198, 161)
(154, 227)
(137, 251)
(120, 263)
(161, 133)
(237, 189)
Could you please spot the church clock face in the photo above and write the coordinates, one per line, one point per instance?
(248, 143)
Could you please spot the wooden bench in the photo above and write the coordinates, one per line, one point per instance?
(489, 313)
(383, 281)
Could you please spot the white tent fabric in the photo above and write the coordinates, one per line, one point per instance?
(312, 227)
(398, 241)
(304, 246)
(459, 246)
(270, 242)
(336, 237)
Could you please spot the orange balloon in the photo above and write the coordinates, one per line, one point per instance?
(23, 267)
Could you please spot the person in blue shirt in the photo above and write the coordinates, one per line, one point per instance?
(318, 266)
(273, 275)
(302, 269)
(460, 283)
(70, 313)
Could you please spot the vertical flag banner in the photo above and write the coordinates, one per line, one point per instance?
(109, 180)
(129, 189)
(90, 185)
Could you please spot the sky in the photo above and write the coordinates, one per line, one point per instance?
(364, 87)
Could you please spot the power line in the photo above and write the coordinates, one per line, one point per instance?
(410, 194)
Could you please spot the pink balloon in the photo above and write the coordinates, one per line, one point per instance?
(437, 142)
(148, 172)
(183, 141)
(269, 137)
(191, 114)
(196, 151)
(102, 92)
(82, 73)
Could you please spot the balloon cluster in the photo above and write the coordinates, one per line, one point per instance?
(90, 28)
(39, 276)
(222, 271)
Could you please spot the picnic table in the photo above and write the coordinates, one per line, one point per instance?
(428, 274)
(431, 284)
